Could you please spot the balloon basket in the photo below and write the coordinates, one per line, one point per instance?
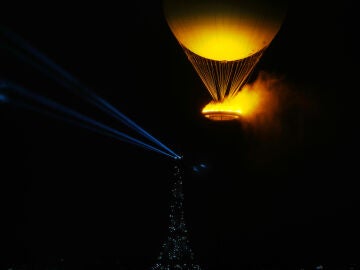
(221, 115)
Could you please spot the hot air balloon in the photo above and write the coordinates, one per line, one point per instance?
(224, 40)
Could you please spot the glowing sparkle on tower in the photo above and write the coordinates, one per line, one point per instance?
(176, 253)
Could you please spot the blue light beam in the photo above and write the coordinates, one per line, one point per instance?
(83, 121)
(74, 84)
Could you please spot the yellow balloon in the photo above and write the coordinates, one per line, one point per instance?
(224, 30)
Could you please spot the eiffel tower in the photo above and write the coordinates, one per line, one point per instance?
(176, 253)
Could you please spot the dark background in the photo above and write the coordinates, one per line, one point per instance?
(69, 196)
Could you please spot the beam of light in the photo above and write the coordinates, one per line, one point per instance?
(82, 120)
(116, 135)
(75, 85)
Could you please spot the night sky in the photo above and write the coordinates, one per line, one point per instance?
(284, 197)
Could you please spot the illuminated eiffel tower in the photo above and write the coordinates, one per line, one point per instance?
(176, 253)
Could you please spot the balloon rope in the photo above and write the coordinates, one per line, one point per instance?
(223, 78)
(204, 70)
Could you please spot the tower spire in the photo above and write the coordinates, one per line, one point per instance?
(176, 253)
